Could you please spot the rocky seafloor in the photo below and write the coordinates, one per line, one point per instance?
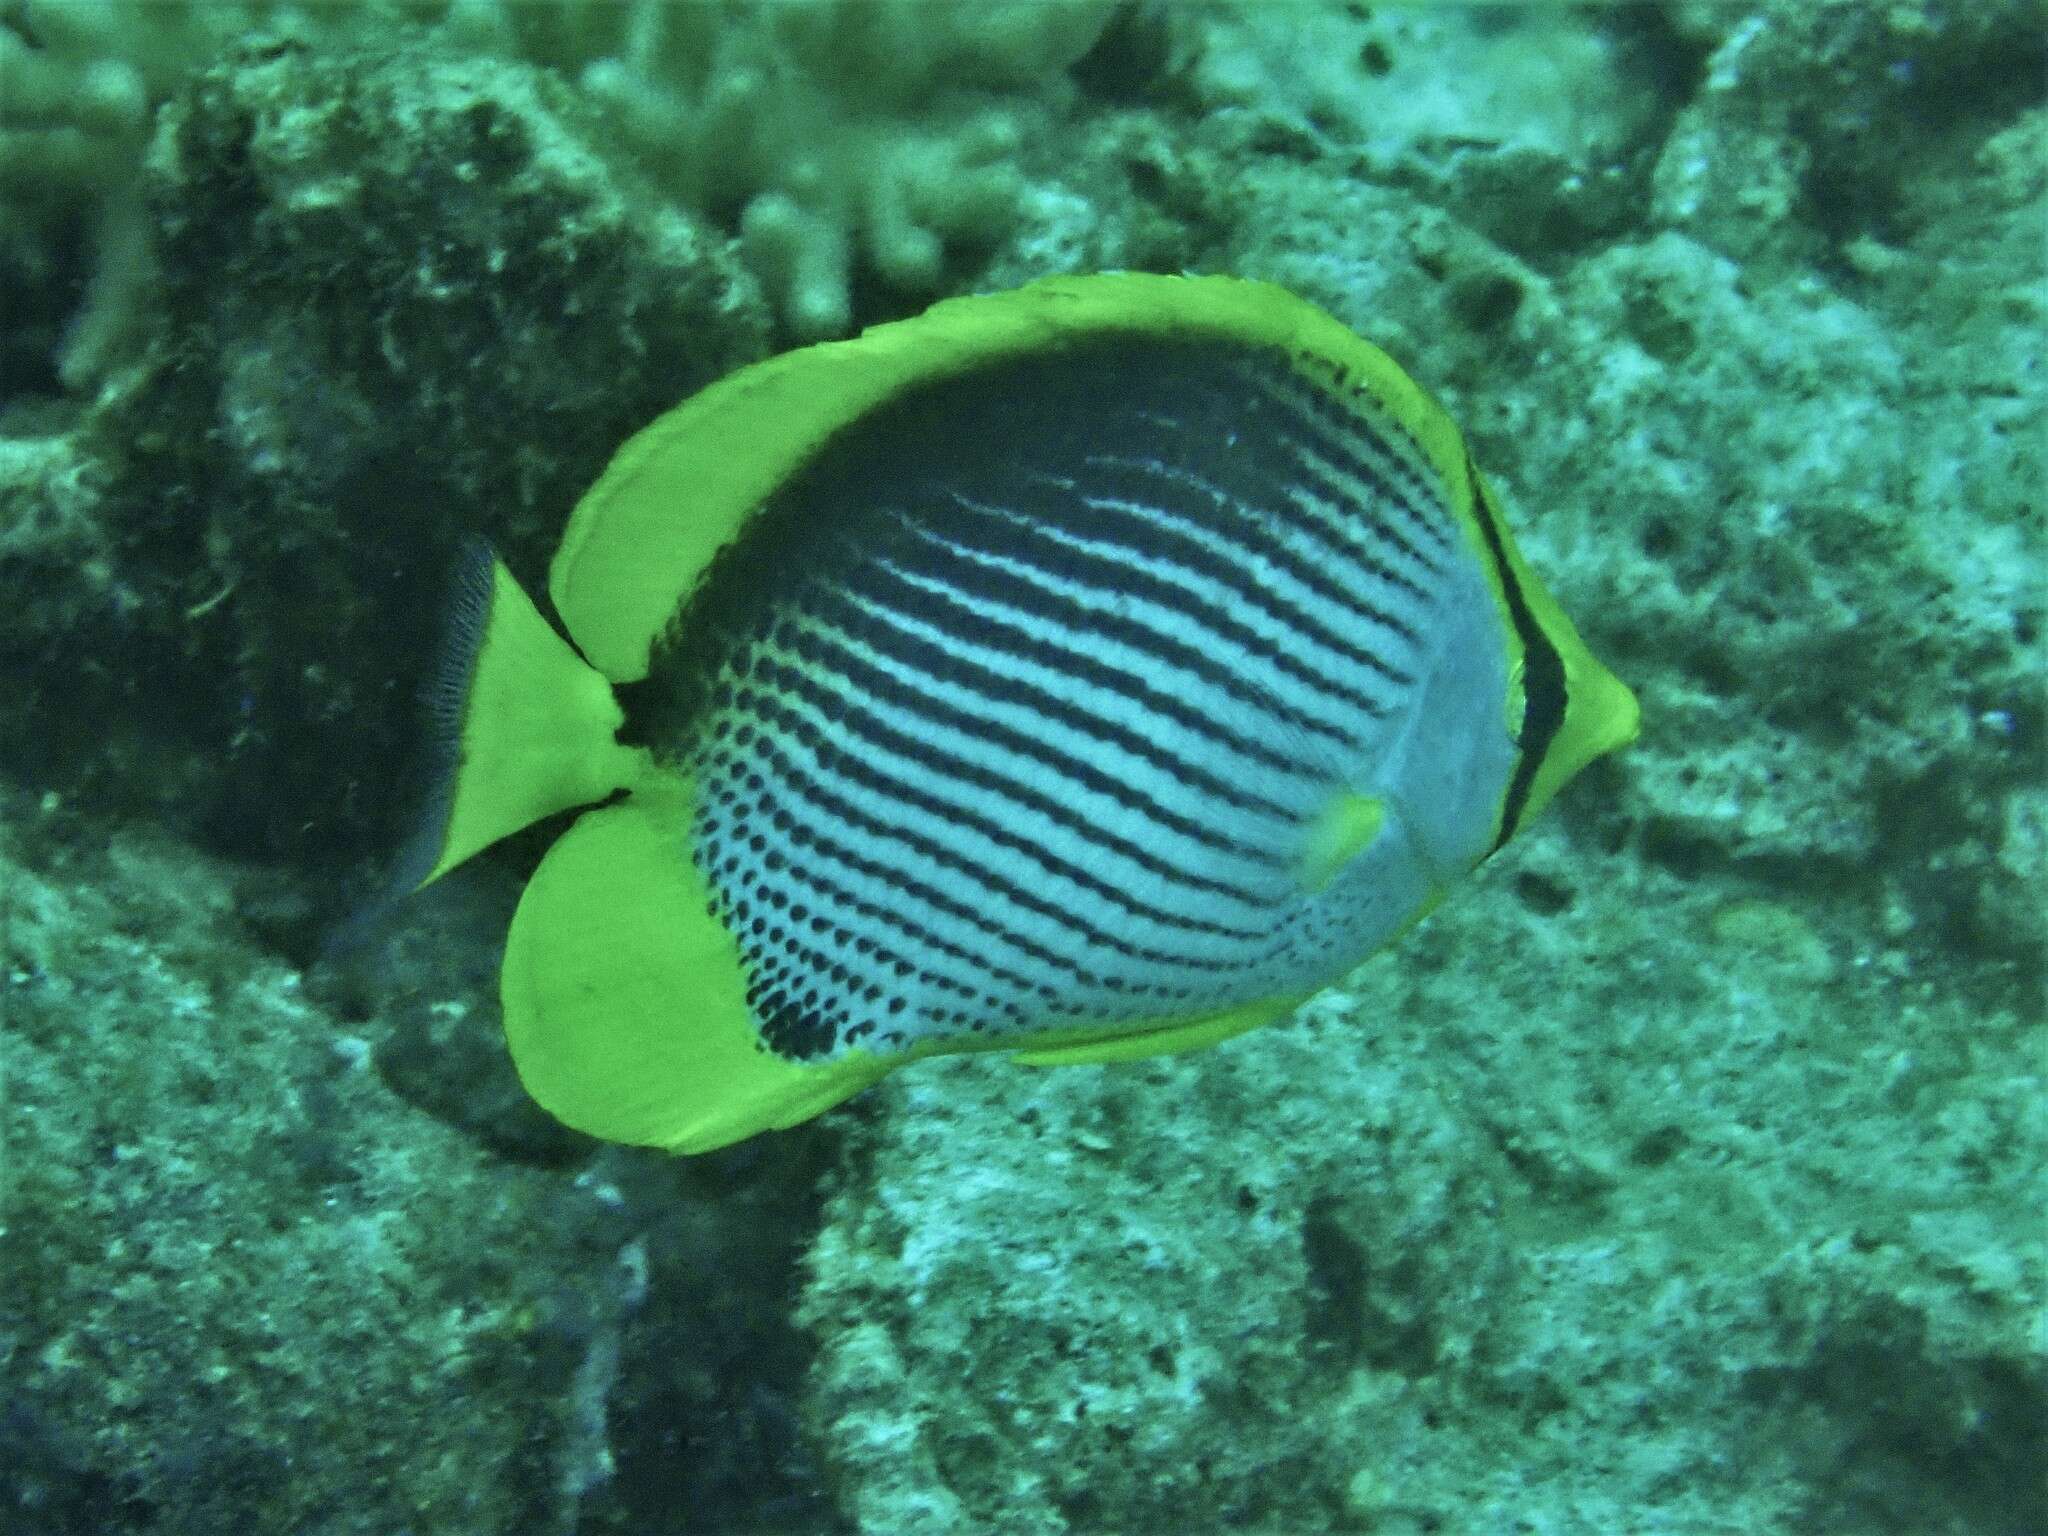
(1683, 1174)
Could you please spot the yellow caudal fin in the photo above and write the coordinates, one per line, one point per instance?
(527, 724)
(1600, 714)
(625, 1003)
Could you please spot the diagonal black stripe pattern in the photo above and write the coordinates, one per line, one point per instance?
(1211, 582)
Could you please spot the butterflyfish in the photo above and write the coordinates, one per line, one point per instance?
(1086, 671)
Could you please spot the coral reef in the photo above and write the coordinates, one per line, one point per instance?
(845, 139)
(401, 301)
(218, 1225)
(1679, 1177)
(245, 1282)
(1681, 1174)
(882, 132)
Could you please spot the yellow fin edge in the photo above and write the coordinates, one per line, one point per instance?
(1601, 713)
(1189, 1035)
(625, 1005)
(533, 725)
(628, 559)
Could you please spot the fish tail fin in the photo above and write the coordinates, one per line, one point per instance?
(523, 726)
(625, 999)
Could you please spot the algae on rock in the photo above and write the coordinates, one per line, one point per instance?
(1687, 1172)
(1684, 1171)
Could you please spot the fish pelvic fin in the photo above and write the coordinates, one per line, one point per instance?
(527, 727)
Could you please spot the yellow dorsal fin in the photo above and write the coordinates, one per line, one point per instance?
(684, 486)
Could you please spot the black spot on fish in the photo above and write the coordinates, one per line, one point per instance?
(794, 1031)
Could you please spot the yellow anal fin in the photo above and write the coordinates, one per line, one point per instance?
(1187, 1035)
(625, 1003)
(1347, 827)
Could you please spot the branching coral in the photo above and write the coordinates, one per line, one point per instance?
(835, 137)
(829, 133)
(80, 82)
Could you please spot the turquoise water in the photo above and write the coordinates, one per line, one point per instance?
(1681, 1174)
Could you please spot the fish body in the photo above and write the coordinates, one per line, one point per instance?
(1086, 671)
